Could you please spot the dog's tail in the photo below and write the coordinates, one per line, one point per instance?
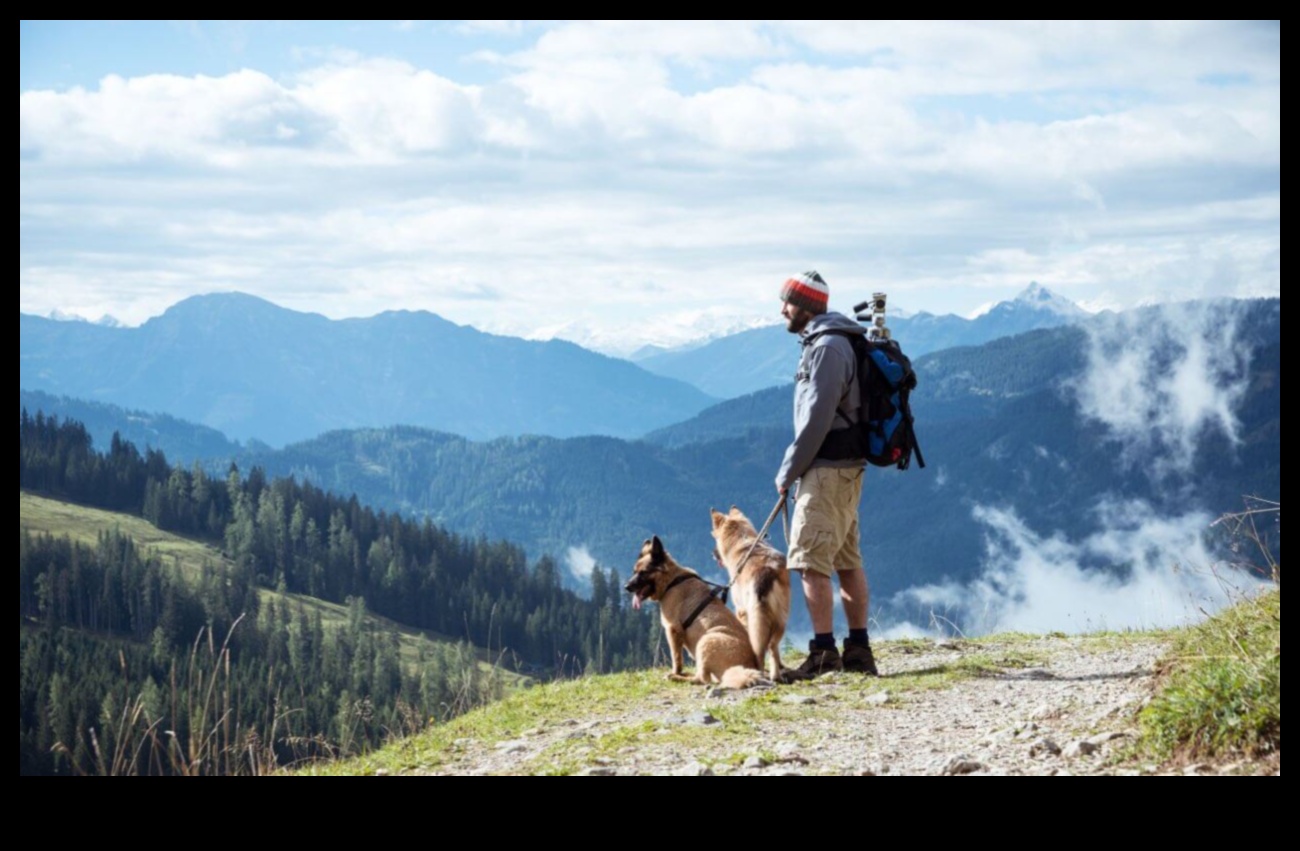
(768, 630)
(760, 633)
(738, 676)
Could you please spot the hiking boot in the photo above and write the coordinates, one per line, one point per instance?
(821, 660)
(858, 658)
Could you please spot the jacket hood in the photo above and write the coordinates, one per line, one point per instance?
(826, 321)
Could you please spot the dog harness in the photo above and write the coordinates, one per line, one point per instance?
(717, 593)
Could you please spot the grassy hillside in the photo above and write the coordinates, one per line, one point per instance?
(1221, 690)
(1200, 700)
(84, 524)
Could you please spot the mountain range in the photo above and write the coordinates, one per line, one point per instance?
(997, 422)
(751, 360)
(259, 372)
(254, 370)
(183, 441)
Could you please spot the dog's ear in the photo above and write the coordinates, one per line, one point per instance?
(656, 550)
(735, 511)
(717, 516)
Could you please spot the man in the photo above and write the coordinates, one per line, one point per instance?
(824, 530)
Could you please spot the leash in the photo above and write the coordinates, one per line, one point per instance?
(720, 592)
(781, 507)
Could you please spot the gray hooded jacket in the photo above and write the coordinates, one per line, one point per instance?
(825, 389)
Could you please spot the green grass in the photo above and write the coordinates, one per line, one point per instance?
(612, 695)
(84, 524)
(1229, 665)
(539, 706)
(1219, 694)
(1221, 689)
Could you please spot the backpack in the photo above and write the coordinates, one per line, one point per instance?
(884, 433)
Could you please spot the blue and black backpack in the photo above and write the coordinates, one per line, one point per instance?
(884, 433)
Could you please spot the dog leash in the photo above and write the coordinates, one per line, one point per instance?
(762, 533)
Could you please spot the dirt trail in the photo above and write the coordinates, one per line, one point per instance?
(1036, 706)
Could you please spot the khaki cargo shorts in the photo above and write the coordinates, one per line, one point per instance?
(824, 529)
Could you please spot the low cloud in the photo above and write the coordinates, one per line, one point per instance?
(1142, 571)
(580, 562)
(1161, 380)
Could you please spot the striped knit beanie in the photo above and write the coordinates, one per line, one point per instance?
(808, 291)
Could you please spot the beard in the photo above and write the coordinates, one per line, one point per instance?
(798, 322)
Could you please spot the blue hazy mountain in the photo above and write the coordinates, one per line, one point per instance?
(180, 440)
(751, 360)
(993, 421)
(252, 369)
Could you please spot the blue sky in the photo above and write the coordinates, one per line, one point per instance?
(619, 183)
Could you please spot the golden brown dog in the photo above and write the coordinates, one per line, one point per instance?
(760, 585)
(693, 619)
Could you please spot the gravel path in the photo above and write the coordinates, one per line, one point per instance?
(1036, 705)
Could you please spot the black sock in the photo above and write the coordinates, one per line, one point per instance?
(824, 640)
(859, 636)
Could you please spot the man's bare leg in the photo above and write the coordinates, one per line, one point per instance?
(855, 595)
(820, 596)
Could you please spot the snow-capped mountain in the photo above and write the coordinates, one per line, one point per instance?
(762, 357)
(636, 341)
(62, 316)
(1035, 298)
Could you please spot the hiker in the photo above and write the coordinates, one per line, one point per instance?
(824, 528)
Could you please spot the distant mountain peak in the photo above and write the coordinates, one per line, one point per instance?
(1040, 297)
(684, 330)
(1034, 298)
(106, 320)
(253, 369)
(211, 309)
(221, 298)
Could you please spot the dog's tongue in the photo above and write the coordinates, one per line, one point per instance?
(636, 601)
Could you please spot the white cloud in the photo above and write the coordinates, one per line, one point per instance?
(1006, 57)
(1159, 380)
(580, 562)
(381, 109)
(614, 84)
(621, 163)
(157, 115)
(1141, 571)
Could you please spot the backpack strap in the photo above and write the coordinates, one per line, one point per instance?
(856, 341)
(848, 442)
(906, 407)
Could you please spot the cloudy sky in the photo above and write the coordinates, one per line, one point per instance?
(619, 183)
